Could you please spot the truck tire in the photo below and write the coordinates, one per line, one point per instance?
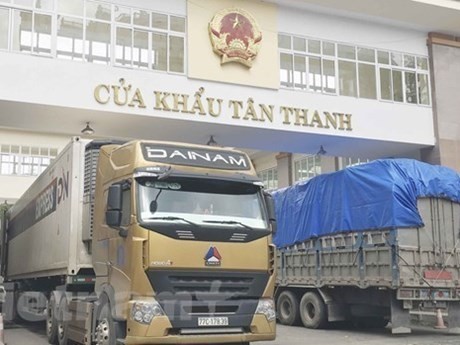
(313, 311)
(105, 330)
(51, 320)
(287, 306)
(63, 322)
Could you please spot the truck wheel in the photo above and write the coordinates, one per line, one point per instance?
(287, 306)
(51, 321)
(313, 311)
(105, 330)
(63, 322)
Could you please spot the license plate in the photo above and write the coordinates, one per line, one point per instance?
(212, 321)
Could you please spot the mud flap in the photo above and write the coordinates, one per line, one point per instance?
(337, 312)
(9, 309)
(400, 317)
(453, 318)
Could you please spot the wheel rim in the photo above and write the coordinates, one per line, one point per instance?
(102, 333)
(286, 309)
(60, 330)
(311, 311)
(60, 326)
(49, 319)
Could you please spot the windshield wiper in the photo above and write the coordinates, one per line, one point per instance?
(231, 222)
(172, 219)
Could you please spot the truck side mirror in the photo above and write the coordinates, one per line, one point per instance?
(114, 206)
(271, 211)
(153, 206)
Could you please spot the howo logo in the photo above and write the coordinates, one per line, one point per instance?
(212, 257)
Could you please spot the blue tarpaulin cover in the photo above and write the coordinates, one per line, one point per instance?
(381, 194)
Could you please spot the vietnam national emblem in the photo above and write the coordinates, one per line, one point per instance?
(235, 36)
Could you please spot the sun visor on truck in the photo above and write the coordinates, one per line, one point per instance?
(97, 144)
(378, 195)
(197, 157)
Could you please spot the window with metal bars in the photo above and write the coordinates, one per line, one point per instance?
(347, 70)
(25, 160)
(94, 31)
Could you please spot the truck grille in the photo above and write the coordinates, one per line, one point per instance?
(222, 285)
(89, 187)
(234, 286)
(187, 295)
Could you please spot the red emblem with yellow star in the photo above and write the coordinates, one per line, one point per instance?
(235, 35)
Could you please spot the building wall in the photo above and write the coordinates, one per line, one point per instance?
(445, 57)
(382, 124)
(352, 30)
(55, 95)
(264, 161)
(13, 186)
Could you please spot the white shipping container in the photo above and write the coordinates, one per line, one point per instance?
(45, 231)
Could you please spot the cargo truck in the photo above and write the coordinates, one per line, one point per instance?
(143, 243)
(370, 244)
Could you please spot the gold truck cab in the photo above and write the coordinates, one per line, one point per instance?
(181, 246)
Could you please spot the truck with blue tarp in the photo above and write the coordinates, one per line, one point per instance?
(370, 244)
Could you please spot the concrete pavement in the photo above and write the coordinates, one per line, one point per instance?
(35, 334)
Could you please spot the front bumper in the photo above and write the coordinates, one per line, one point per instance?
(160, 331)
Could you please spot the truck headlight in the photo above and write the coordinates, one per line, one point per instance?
(266, 307)
(144, 312)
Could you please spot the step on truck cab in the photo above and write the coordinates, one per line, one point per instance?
(159, 243)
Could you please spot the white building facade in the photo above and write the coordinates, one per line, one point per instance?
(319, 80)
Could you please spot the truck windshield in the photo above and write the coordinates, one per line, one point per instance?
(201, 201)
